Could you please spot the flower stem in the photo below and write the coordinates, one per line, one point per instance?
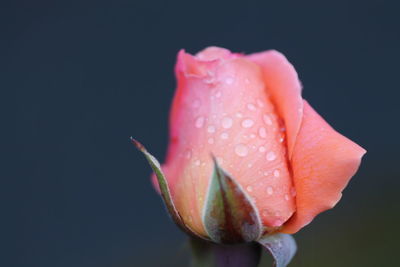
(207, 254)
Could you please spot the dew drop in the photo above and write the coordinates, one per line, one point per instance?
(199, 122)
(276, 173)
(229, 80)
(260, 103)
(249, 165)
(287, 198)
(270, 190)
(252, 136)
(188, 154)
(211, 140)
(251, 107)
(239, 115)
(261, 149)
(267, 119)
(265, 173)
(211, 129)
(227, 122)
(218, 94)
(271, 156)
(249, 188)
(262, 132)
(197, 162)
(241, 150)
(224, 136)
(247, 123)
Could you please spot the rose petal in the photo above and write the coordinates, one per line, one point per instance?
(284, 86)
(323, 162)
(219, 108)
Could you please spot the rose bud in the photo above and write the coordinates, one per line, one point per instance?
(248, 157)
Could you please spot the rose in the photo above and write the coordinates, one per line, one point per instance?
(247, 112)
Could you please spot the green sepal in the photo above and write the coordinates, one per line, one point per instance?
(282, 247)
(164, 188)
(229, 216)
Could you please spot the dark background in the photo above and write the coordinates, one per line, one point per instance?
(77, 79)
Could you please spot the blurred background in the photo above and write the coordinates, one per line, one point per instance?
(78, 78)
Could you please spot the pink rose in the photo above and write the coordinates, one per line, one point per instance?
(247, 112)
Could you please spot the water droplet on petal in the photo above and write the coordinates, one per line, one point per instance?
(211, 129)
(247, 123)
(267, 119)
(218, 94)
(197, 162)
(241, 150)
(199, 122)
(251, 107)
(260, 103)
(276, 173)
(252, 136)
(271, 156)
(211, 140)
(224, 136)
(287, 197)
(261, 149)
(265, 173)
(249, 188)
(188, 154)
(239, 115)
(270, 190)
(229, 80)
(227, 122)
(262, 132)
